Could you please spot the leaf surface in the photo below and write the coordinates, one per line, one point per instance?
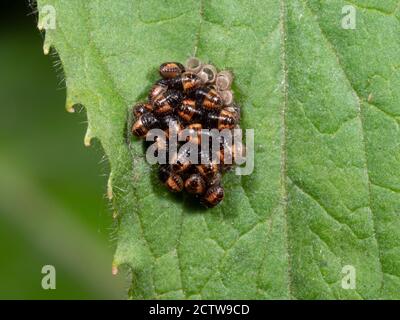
(323, 103)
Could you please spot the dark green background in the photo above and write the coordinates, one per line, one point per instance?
(52, 189)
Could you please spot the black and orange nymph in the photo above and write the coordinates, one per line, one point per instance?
(186, 101)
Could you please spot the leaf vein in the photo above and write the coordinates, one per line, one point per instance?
(360, 115)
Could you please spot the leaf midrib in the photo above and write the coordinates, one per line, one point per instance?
(363, 139)
(283, 173)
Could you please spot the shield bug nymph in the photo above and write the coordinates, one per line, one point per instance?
(190, 103)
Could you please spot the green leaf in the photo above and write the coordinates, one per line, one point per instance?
(324, 106)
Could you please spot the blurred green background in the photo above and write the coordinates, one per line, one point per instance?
(53, 209)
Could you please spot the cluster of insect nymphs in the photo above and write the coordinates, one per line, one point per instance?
(193, 97)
